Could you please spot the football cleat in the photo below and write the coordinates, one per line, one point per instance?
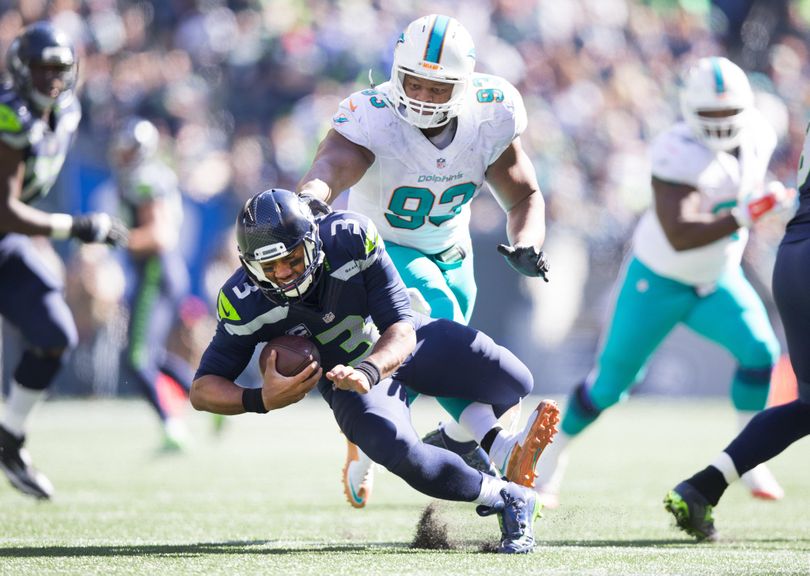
(762, 484)
(693, 513)
(358, 476)
(218, 424)
(518, 509)
(529, 444)
(16, 463)
(551, 470)
(474, 458)
(175, 436)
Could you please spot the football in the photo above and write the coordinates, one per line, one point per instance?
(293, 354)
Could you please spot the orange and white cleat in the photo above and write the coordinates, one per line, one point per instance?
(762, 484)
(530, 443)
(358, 476)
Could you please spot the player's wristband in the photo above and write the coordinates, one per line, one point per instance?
(252, 400)
(61, 224)
(371, 372)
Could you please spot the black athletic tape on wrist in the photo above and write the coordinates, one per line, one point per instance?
(252, 400)
(371, 371)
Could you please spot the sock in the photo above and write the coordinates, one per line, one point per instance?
(490, 490)
(501, 448)
(769, 433)
(477, 420)
(455, 432)
(710, 483)
(726, 466)
(19, 404)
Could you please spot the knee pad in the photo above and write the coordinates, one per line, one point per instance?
(749, 389)
(36, 370)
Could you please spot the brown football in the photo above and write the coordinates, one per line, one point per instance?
(293, 354)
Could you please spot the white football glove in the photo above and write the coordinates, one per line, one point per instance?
(776, 199)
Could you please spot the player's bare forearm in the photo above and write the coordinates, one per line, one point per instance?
(514, 183)
(339, 164)
(216, 394)
(395, 344)
(526, 222)
(157, 233)
(685, 225)
(279, 391)
(16, 216)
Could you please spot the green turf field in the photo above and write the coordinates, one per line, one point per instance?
(265, 498)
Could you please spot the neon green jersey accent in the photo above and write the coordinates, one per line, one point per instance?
(9, 121)
(225, 310)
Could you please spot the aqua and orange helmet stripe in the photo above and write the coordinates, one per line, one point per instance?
(438, 32)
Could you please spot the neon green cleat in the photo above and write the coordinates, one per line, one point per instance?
(693, 514)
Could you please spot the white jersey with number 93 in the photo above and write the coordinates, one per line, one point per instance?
(417, 194)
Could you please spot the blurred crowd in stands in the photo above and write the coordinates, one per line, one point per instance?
(242, 91)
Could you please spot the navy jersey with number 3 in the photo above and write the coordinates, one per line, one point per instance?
(358, 293)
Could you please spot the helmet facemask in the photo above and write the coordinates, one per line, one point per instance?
(435, 48)
(712, 86)
(299, 286)
(273, 225)
(41, 49)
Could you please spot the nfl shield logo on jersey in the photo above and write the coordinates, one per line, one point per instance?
(328, 317)
(441, 163)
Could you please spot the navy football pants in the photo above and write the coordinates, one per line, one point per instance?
(31, 299)
(161, 282)
(774, 429)
(450, 360)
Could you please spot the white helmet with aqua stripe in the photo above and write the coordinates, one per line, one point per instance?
(716, 100)
(436, 48)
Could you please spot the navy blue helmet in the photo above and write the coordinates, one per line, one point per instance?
(41, 45)
(270, 226)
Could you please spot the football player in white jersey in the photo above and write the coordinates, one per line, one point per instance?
(415, 151)
(709, 177)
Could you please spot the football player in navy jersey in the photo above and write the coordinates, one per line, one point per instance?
(150, 203)
(331, 280)
(772, 430)
(415, 151)
(39, 115)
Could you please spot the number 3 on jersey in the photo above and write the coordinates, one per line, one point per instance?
(410, 206)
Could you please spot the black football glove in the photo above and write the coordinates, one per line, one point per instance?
(99, 227)
(526, 260)
(318, 206)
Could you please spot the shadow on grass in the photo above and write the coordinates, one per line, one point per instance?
(674, 542)
(256, 547)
